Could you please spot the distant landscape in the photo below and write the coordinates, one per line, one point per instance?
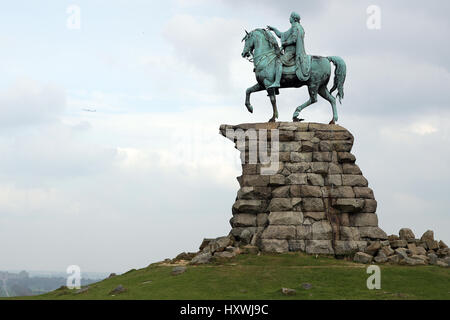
(23, 283)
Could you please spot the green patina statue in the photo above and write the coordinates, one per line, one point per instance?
(291, 67)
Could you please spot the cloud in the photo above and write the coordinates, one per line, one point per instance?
(117, 179)
(104, 102)
(52, 152)
(37, 145)
(395, 85)
(28, 103)
(406, 165)
(406, 30)
(208, 44)
(280, 8)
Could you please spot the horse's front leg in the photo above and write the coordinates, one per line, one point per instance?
(257, 87)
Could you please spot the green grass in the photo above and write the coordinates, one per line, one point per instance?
(262, 277)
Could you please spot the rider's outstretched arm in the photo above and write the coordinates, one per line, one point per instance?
(277, 32)
(293, 39)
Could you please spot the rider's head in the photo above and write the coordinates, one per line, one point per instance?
(295, 17)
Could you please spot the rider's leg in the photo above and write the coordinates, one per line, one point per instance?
(278, 72)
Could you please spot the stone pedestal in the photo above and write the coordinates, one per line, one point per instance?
(313, 198)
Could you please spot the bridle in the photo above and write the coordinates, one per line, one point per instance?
(250, 57)
(264, 55)
(260, 57)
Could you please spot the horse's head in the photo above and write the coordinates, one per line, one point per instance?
(249, 44)
(259, 39)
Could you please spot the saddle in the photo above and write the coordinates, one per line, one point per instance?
(291, 69)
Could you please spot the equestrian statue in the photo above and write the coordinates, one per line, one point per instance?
(290, 67)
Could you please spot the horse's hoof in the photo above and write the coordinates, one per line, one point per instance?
(332, 122)
(272, 120)
(249, 108)
(295, 119)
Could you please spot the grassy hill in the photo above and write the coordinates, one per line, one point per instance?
(262, 277)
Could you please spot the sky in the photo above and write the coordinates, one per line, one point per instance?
(147, 175)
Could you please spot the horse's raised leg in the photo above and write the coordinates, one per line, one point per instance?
(257, 87)
(312, 99)
(273, 100)
(324, 93)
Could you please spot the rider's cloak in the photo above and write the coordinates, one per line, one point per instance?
(295, 51)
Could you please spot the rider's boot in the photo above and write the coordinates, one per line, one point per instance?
(278, 71)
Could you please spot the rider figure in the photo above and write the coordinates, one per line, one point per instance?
(292, 41)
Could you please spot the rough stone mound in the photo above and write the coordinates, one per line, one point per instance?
(313, 199)
(412, 252)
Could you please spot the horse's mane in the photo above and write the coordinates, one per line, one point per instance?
(270, 38)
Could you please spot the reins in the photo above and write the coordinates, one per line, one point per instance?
(260, 57)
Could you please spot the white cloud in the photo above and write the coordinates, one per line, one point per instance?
(208, 44)
(404, 210)
(280, 9)
(408, 171)
(52, 152)
(110, 176)
(423, 128)
(394, 84)
(27, 102)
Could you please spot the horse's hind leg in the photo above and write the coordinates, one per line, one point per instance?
(257, 87)
(324, 93)
(273, 100)
(312, 99)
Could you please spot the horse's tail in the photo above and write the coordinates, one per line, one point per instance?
(339, 76)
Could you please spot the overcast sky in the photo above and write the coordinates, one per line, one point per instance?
(147, 175)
